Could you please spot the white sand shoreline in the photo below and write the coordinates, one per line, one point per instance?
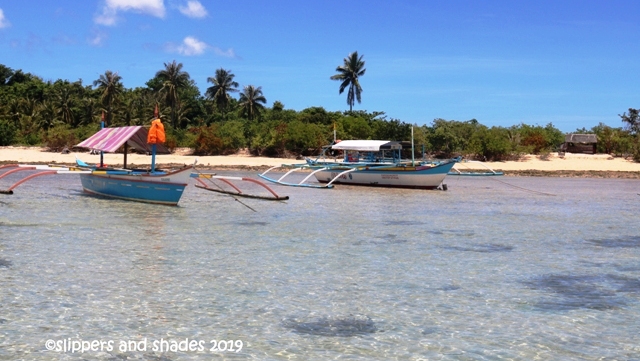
(570, 162)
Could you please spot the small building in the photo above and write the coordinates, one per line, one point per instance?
(580, 143)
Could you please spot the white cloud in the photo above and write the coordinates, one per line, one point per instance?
(4, 23)
(193, 9)
(190, 46)
(111, 8)
(97, 38)
(229, 53)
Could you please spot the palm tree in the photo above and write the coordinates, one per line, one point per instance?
(349, 72)
(129, 110)
(14, 109)
(47, 115)
(64, 104)
(250, 100)
(182, 115)
(90, 110)
(173, 80)
(29, 121)
(110, 86)
(223, 84)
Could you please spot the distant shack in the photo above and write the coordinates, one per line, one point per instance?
(580, 143)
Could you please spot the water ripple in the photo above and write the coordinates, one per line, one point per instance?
(253, 223)
(386, 239)
(447, 288)
(482, 248)
(622, 242)
(19, 224)
(455, 232)
(352, 325)
(403, 223)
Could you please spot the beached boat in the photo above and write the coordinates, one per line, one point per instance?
(375, 163)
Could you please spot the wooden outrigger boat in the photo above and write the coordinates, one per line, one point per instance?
(375, 163)
(145, 185)
(142, 185)
(159, 187)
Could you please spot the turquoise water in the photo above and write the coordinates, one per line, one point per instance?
(492, 269)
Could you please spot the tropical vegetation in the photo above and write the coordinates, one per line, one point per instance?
(61, 113)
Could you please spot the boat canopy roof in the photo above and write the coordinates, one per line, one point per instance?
(111, 139)
(366, 145)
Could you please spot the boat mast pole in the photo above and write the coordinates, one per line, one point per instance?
(412, 151)
(334, 132)
(156, 116)
(101, 152)
(153, 158)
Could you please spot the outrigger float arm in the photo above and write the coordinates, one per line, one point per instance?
(303, 184)
(46, 170)
(296, 168)
(338, 176)
(455, 171)
(238, 192)
(10, 190)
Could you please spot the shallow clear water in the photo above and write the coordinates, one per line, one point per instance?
(492, 269)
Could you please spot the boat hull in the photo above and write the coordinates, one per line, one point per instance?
(418, 177)
(164, 189)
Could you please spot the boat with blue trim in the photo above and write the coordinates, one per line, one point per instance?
(376, 163)
(146, 185)
(159, 187)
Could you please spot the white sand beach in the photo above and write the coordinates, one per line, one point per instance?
(553, 162)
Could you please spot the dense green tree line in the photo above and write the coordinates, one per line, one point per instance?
(62, 113)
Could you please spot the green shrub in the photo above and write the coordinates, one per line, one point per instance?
(232, 135)
(7, 132)
(60, 137)
(304, 138)
(491, 144)
(208, 142)
(29, 138)
(636, 148)
(268, 138)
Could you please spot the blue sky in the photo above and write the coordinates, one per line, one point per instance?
(572, 63)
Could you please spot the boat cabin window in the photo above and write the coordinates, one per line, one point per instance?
(352, 157)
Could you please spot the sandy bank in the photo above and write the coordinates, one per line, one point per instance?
(583, 165)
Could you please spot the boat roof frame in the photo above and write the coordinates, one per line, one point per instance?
(367, 145)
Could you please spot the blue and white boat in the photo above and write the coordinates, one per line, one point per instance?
(376, 163)
(150, 186)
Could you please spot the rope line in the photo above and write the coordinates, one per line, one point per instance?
(524, 189)
(514, 186)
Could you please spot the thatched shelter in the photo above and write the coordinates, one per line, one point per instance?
(580, 143)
